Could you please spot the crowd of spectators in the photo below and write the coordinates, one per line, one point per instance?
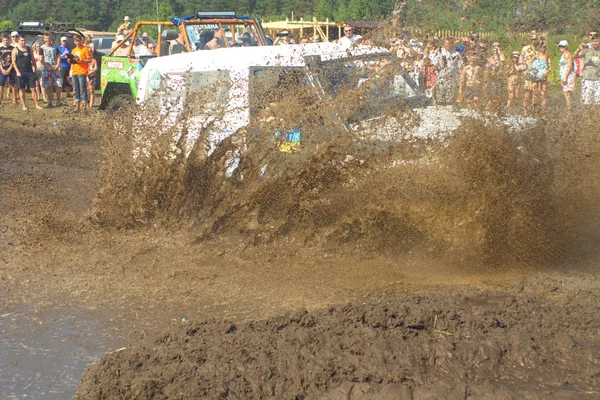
(472, 70)
(49, 70)
(468, 71)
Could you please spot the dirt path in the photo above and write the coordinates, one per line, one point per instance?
(412, 326)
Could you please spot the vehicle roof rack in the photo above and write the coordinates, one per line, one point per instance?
(45, 26)
(215, 14)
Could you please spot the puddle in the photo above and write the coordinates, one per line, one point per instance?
(43, 355)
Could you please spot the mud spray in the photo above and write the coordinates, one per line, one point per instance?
(482, 196)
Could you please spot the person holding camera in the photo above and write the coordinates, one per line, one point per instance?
(282, 38)
(80, 63)
(590, 77)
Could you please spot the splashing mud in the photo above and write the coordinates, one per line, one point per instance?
(484, 194)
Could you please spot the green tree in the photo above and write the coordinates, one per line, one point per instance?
(324, 9)
(362, 10)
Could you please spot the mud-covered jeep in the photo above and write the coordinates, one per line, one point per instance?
(121, 68)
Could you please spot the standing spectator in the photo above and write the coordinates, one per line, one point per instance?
(23, 63)
(92, 78)
(38, 56)
(541, 66)
(528, 54)
(51, 78)
(349, 37)
(590, 77)
(14, 35)
(567, 74)
(80, 64)
(448, 61)
(65, 68)
(515, 73)
(471, 78)
(15, 38)
(89, 43)
(7, 74)
(494, 76)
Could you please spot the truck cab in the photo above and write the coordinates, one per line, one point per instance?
(122, 67)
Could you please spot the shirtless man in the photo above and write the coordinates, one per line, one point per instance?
(23, 63)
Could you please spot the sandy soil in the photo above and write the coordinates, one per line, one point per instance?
(378, 324)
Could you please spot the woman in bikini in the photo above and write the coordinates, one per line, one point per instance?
(39, 66)
(540, 66)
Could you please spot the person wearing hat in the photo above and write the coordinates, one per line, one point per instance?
(125, 27)
(14, 35)
(566, 67)
(590, 77)
(122, 47)
(65, 68)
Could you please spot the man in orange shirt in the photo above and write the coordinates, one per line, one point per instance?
(80, 63)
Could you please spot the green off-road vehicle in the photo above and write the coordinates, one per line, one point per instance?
(121, 68)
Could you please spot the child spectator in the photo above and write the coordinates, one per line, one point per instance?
(80, 64)
(515, 77)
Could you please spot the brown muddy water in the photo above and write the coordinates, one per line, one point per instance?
(405, 268)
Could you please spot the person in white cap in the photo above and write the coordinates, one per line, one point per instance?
(566, 66)
(14, 35)
(125, 27)
(122, 47)
(65, 69)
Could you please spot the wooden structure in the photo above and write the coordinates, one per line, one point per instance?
(300, 27)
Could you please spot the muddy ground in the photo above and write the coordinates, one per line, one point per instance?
(230, 317)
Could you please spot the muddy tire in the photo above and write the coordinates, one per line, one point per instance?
(118, 102)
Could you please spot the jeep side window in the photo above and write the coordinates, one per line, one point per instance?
(269, 85)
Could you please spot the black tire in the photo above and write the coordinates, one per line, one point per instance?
(118, 102)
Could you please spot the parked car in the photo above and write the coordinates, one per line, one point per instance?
(103, 43)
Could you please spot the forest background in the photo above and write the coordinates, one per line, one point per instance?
(575, 17)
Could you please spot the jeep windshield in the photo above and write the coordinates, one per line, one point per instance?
(230, 33)
(327, 80)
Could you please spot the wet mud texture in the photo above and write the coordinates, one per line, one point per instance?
(480, 242)
(499, 345)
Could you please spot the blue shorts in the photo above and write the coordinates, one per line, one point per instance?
(26, 77)
(10, 78)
